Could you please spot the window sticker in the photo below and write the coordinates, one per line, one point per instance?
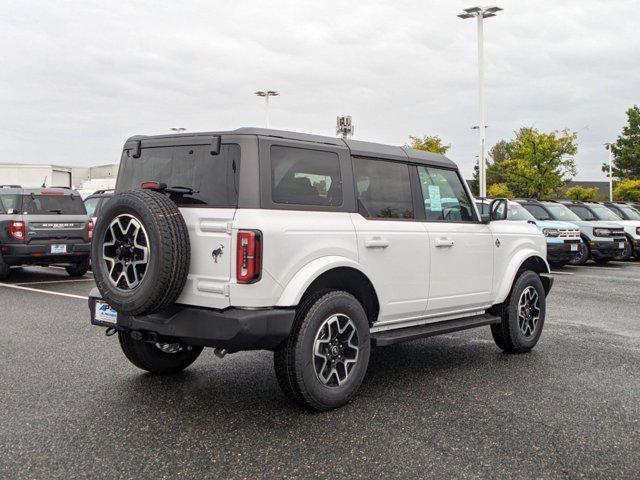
(434, 196)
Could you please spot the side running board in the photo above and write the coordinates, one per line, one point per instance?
(389, 337)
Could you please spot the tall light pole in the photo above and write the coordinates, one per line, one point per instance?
(266, 95)
(480, 14)
(178, 129)
(608, 147)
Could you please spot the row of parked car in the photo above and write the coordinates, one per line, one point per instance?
(577, 231)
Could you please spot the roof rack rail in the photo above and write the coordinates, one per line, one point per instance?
(10, 186)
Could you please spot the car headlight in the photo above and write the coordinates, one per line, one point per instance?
(601, 232)
(550, 232)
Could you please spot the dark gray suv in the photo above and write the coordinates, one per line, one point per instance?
(43, 226)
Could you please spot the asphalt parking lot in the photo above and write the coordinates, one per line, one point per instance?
(445, 407)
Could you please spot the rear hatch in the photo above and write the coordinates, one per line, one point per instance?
(54, 217)
(208, 209)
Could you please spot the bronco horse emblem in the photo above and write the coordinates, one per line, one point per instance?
(217, 253)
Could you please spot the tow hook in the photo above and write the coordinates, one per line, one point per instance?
(110, 331)
(220, 352)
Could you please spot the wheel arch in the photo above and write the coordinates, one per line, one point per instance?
(332, 273)
(527, 260)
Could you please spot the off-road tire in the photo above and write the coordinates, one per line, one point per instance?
(169, 257)
(507, 334)
(626, 255)
(149, 357)
(602, 261)
(4, 270)
(78, 269)
(586, 254)
(296, 374)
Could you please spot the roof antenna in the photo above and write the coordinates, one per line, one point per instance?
(44, 182)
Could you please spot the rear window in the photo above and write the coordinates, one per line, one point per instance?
(8, 202)
(384, 189)
(213, 178)
(52, 205)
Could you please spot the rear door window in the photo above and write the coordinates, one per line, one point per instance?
(213, 178)
(8, 203)
(383, 189)
(91, 204)
(53, 204)
(301, 176)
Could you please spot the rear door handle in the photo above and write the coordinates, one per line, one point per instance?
(444, 243)
(376, 242)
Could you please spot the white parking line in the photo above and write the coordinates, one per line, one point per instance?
(57, 281)
(562, 273)
(602, 267)
(19, 287)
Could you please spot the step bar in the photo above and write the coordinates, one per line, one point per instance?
(389, 337)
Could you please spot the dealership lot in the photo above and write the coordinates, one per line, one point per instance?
(450, 406)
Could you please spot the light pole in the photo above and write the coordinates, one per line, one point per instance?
(178, 129)
(608, 147)
(480, 14)
(266, 95)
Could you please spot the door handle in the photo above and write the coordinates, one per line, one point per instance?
(376, 242)
(444, 243)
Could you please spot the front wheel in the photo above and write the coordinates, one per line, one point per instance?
(158, 358)
(323, 361)
(523, 314)
(582, 256)
(625, 254)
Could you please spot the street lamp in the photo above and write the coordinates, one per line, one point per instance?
(266, 95)
(608, 147)
(178, 129)
(480, 14)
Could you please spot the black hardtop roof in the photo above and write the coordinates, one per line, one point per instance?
(357, 147)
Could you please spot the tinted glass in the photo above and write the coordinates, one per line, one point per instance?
(603, 213)
(53, 204)
(560, 212)
(444, 195)
(90, 204)
(384, 189)
(8, 202)
(582, 212)
(538, 212)
(630, 212)
(213, 178)
(518, 212)
(301, 176)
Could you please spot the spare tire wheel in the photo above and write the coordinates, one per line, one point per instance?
(140, 252)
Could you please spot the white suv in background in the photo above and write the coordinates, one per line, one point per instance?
(314, 247)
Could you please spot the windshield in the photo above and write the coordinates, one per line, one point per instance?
(603, 213)
(53, 204)
(208, 180)
(518, 212)
(560, 212)
(630, 212)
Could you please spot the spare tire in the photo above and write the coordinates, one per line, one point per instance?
(140, 253)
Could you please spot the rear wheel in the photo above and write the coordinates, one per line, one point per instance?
(4, 270)
(158, 358)
(601, 261)
(324, 360)
(78, 269)
(523, 314)
(582, 256)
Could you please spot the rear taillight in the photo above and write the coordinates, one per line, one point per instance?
(90, 228)
(249, 256)
(16, 229)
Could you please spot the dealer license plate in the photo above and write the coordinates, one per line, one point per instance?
(58, 249)
(621, 245)
(105, 313)
(574, 247)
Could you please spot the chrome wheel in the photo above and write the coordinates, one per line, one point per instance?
(125, 252)
(528, 311)
(335, 350)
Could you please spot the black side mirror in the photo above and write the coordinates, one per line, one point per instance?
(498, 209)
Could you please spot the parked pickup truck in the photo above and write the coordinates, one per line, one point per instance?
(43, 226)
(316, 248)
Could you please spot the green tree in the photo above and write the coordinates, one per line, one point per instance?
(628, 191)
(626, 150)
(540, 164)
(495, 167)
(429, 143)
(499, 190)
(583, 194)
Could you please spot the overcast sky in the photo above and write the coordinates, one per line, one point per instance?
(78, 78)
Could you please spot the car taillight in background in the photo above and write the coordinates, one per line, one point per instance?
(90, 228)
(16, 229)
(249, 256)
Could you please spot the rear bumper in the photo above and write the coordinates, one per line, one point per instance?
(606, 250)
(18, 254)
(233, 329)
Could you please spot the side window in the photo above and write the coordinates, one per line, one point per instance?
(444, 196)
(582, 212)
(383, 188)
(90, 204)
(301, 176)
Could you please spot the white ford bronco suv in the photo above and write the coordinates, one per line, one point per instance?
(316, 248)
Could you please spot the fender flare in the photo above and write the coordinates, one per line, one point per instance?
(300, 282)
(514, 266)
